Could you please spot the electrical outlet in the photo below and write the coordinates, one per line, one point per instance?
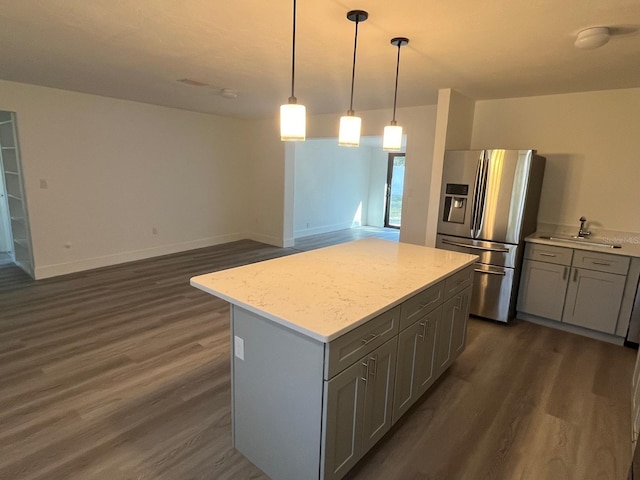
(308, 224)
(154, 230)
(67, 245)
(43, 183)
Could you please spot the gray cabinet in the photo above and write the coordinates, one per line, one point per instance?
(576, 287)
(322, 406)
(543, 287)
(593, 299)
(451, 338)
(415, 369)
(358, 409)
(344, 400)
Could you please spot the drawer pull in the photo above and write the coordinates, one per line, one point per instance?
(490, 272)
(544, 254)
(606, 264)
(564, 275)
(424, 304)
(370, 338)
(575, 275)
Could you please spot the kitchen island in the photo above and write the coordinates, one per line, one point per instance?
(330, 347)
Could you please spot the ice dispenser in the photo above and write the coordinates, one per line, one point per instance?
(455, 202)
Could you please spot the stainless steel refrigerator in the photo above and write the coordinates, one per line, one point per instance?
(488, 205)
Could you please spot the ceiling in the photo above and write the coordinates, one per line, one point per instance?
(139, 49)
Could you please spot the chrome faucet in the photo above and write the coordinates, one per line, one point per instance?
(582, 233)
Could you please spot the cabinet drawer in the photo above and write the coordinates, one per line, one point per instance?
(420, 304)
(458, 282)
(602, 262)
(548, 253)
(348, 348)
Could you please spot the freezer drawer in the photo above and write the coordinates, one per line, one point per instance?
(491, 253)
(492, 292)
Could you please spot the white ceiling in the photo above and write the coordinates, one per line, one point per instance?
(138, 49)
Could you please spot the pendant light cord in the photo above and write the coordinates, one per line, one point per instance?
(353, 69)
(292, 98)
(395, 94)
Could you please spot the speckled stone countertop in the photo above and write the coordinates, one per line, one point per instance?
(626, 249)
(327, 292)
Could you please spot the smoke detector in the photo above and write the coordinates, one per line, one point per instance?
(593, 37)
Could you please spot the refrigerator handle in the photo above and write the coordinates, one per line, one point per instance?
(482, 195)
(476, 191)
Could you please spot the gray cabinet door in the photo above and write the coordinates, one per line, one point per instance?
(416, 365)
(542, 289)
(409, 347)
(460, 316)
(594, 299)
(381, 368)
(344, 408)
(425, 366)
(451, 334)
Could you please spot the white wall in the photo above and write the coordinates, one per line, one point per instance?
(592, 144)
(331, 186)
(453, 131)
(117, 169)
(419, 128)
(269, 183)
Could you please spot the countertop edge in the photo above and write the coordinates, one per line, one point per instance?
(627, 250)
(310, 333)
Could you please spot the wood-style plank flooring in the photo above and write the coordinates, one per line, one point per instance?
(123, 373)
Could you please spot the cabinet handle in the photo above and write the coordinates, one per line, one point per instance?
(366, 372)
(575, 275)
(543, 254)
(424, 329)
(564, 275)
(370, 338)
(373, 361)
(606, 264)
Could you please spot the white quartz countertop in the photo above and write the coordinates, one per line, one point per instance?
(327, 292)
(626, 249)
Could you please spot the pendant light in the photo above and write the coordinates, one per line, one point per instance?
(349, 135)
(392, 140)
(292, 115)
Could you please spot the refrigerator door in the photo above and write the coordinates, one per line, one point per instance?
(501, 195)
(492, 292)
(460, 173)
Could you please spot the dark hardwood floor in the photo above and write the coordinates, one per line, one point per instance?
(123, 373)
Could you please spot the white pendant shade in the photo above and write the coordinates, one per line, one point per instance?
(392, 140)
(349, 135)
(293, 123)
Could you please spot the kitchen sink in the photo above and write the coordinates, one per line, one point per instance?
(581, 241)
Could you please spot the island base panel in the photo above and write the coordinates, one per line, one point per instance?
(277, 394)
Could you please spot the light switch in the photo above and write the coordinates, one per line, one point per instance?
(238, 347)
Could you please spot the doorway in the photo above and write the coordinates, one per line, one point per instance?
(14, 221)
(395, 189)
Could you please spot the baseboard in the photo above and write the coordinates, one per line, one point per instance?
(307, 232)
(269, 240)
(49, 271)
(565, 327)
